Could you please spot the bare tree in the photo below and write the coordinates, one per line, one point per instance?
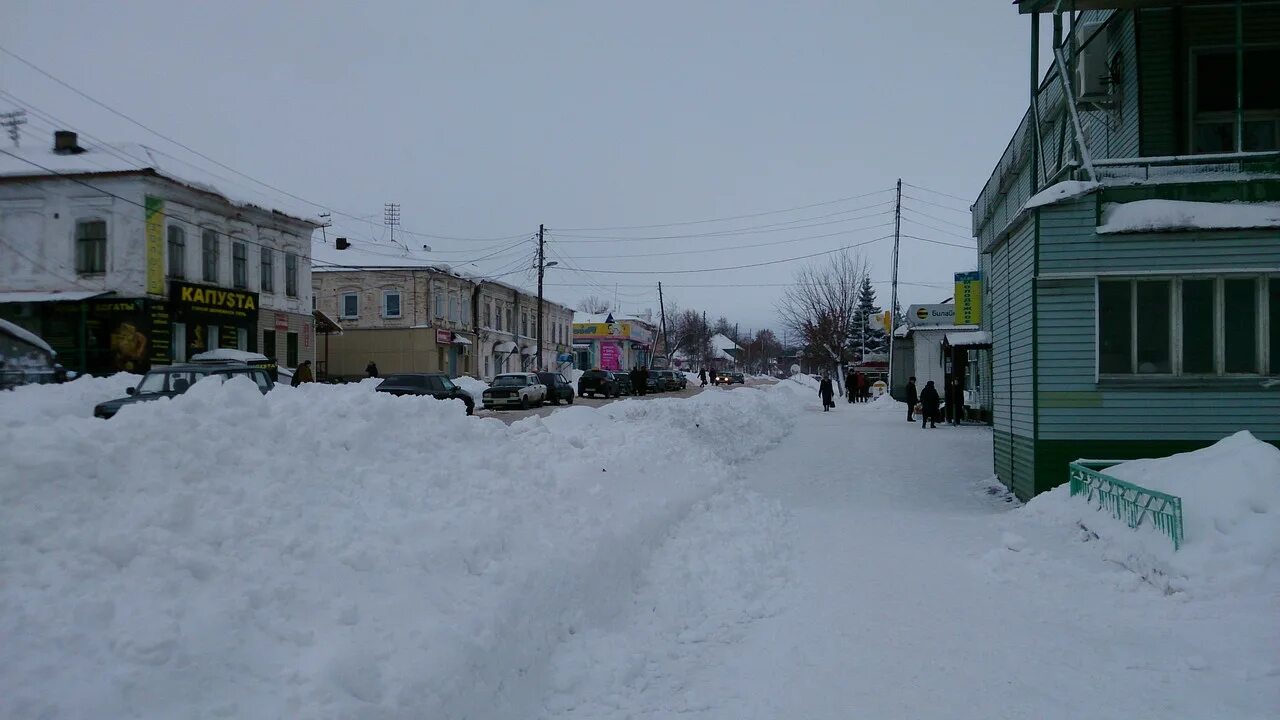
(821, 308)
(594, 304)
(689, 334)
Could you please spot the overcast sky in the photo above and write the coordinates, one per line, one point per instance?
(484, 119)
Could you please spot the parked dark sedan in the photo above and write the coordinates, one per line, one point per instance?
(599, 382)
(558, 388)
(173, 380)
(624, 383)
(728, 377)
(437, 385)
(656, 383)
(672, 380)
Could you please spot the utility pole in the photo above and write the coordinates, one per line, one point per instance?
(391, 218)
(893, 303)
(542, 267)
(662, 308)
(11, 121)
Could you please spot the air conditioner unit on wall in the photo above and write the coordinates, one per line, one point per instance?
(1093, 74)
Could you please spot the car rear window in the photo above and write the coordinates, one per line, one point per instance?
(406, 380)
(594, 374)
(509, 381)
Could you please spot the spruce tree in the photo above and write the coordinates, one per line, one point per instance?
(867, 340)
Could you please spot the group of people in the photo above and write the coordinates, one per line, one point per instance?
(856, 387)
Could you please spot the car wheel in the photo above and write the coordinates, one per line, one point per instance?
(524, 403)
(568, 400)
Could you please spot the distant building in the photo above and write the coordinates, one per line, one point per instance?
(408, 313)
(120, 261)
(1130, 239)
(608, 342)
(725, 353)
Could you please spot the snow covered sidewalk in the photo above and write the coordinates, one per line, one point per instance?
(915, 593)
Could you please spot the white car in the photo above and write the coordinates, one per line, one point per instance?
(521, 390)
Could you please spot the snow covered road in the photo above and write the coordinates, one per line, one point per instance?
(912, 593)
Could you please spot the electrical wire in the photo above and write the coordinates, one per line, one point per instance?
(736, 267)
(39, 265)
(757, 285)
(935, 217)
(937, 205)
(224, 166)
(944, 231)
(735, 247)
(751, 230)
(939, 192)
(939, 242)
(729, 217)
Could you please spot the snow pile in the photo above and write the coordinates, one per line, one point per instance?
(306, 554)
(25, 336)
(39, 405)
(886, 403)
(473, 387)
(229, 354)
(1231, 518)
(1170, 215)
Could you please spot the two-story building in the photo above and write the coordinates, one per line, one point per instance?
(408, 313)
(120, 261)
(1130, 238)
(609, 342)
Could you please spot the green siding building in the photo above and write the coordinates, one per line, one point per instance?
(1130, 238)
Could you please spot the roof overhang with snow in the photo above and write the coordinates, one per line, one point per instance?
(973, 339)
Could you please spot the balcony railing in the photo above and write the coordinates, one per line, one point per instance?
(1134, 504)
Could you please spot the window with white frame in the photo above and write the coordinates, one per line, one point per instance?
(391, 304)
(267, 271)
(1189, 326)
(488, 314)
(177, 252)
(455, 309)
(291, 274)
(91, 247)
(350, 307)
(510, 328)
(524, 324)
(466, 310)
(239, 264)
(209, 254)
(440, 300)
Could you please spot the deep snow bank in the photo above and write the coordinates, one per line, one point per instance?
(328, 551)
(48, 403)
(1231, 518)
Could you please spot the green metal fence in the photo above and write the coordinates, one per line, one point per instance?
(1132, 503)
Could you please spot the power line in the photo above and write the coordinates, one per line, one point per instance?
(735, 267)
(733, 247)
(962, 226)
(750, 230)
(939, 192)
(224, 166)
(729, 217)
(939, 242)
(944, 231)
(755, 285)
(37, 264)
(937, 205)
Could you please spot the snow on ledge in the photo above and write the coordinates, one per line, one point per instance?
(1170, 215)
(1065, 190)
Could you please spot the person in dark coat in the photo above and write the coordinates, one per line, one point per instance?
(929, 402)
(644, 380)
(850, 386)
(702, 376)
(913, 397)
(371, 369)
(861, 381)
(302, 374)
(827, 393)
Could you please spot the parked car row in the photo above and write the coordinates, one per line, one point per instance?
(605, 383)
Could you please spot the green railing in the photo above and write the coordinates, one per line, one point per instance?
(1132, 503)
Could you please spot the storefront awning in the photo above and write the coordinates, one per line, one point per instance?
(40, 296)
(459, 340)
(504, 347)
(326, 325)
(980, 339)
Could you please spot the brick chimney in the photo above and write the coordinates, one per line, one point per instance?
(64, 143)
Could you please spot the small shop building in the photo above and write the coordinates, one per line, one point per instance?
(1129, 237)
(606, 342)
(119, 263)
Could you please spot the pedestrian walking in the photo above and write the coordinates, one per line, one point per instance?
(371, 369)
(850, 386)
(702, 377)
(929, 402)
(826, 392)
(644, 380)
(302, 374)
(913, 397)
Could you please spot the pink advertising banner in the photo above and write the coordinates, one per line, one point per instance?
(609, 357)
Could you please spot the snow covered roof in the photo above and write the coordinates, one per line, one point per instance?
(25, 336)
(597, 318)
(363, 255)
(229, 354)
(1065, 190)
(969, 339)
(720, 341)
(1170, 215)
(136, 158)
(19, 296)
